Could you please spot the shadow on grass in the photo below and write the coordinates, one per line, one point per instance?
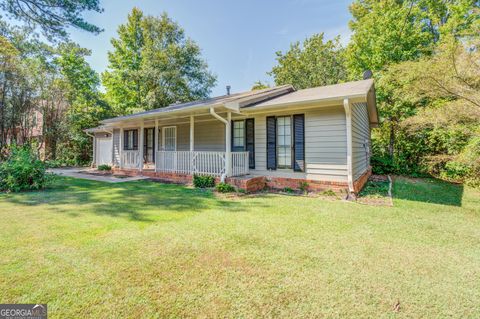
(428, 190)
(143, 201)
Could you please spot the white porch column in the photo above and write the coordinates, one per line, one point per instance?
(121, 147)
(348, 114)
(155, 144)
(228, 144)
(140, 146)
(192, 131)
(94, 162)
(113, 149)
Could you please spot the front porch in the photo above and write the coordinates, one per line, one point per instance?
(189, 162)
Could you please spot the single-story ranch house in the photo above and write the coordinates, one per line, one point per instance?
(277, 137)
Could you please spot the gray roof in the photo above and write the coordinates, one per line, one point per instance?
(277, 96)
(219, 100)
(329, 92)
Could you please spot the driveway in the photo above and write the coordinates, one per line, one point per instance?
(83, 173)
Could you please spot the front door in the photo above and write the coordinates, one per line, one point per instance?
(148, 146)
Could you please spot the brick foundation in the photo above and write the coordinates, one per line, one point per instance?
(362, 180)
(312, 185)
(251, 184)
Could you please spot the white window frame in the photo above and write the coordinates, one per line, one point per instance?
(289, 166)
(236, 137)
(163, 137)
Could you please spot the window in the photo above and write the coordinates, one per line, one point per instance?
(170, 138)
(238, 134)
(131, 140)
(284, 142)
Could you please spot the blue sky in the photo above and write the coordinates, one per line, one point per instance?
(238, 38)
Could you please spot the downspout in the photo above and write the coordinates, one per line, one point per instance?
(227, 142)
(348, 115)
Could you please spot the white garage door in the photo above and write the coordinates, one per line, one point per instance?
(104, 151)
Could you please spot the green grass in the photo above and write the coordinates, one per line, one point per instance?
(144, 249)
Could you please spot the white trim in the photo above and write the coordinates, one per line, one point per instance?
(155, 144)
(121, 147)
(192, 133)
(348, 116)
(140, 146)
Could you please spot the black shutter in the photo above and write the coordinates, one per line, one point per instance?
(250, 141)
(271, 142)
(299, 143)
(135, 139)
(125, 140)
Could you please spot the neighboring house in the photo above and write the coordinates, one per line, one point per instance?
(30, 129)
(277, 137)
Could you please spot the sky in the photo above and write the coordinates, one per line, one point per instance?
(238, 38)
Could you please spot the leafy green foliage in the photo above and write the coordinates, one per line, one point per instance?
(22, 170)
(203, 181)
(375, 189)
(259, 85)
(314, 63)
(224, 188)
(154, 64)
(53, 17)
(104, 167)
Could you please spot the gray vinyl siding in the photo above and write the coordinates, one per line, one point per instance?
(325, 143)
(360, 139)
(116, 147)
(208, 136)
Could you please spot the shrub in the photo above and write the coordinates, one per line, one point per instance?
(303, 186)
(288, 190)
(203, 181)
(22, 170)
(224, 188)
(104, 167)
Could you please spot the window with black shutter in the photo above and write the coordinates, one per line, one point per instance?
(250, 141)
(299, 142)
(130, 138)
(271, 142)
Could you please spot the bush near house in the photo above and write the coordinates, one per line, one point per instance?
(224, 188)
(104, 167)
(22, 170)
(203, 181)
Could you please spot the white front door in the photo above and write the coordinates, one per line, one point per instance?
(104, 151)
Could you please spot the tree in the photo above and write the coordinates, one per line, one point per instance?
(314, 63)
(86, 106)
(259, 85)
(53, 16)
(154, 64)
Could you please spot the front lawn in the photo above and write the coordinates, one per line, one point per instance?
(145, 249)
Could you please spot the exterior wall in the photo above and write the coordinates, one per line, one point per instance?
(360, 139)
(325, 143)
(208, 136)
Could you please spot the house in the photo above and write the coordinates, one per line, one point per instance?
(277, 137)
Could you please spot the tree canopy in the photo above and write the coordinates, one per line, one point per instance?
(53, 17)
(154, 64)
(314, 63)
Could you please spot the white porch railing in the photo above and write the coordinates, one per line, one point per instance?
(203, 163)
(131, 159)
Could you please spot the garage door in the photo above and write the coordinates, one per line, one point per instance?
(104, 151)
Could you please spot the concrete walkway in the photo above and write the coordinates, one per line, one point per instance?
(82, 172)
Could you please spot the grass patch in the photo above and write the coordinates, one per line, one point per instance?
(145, 249)
(375, 189)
